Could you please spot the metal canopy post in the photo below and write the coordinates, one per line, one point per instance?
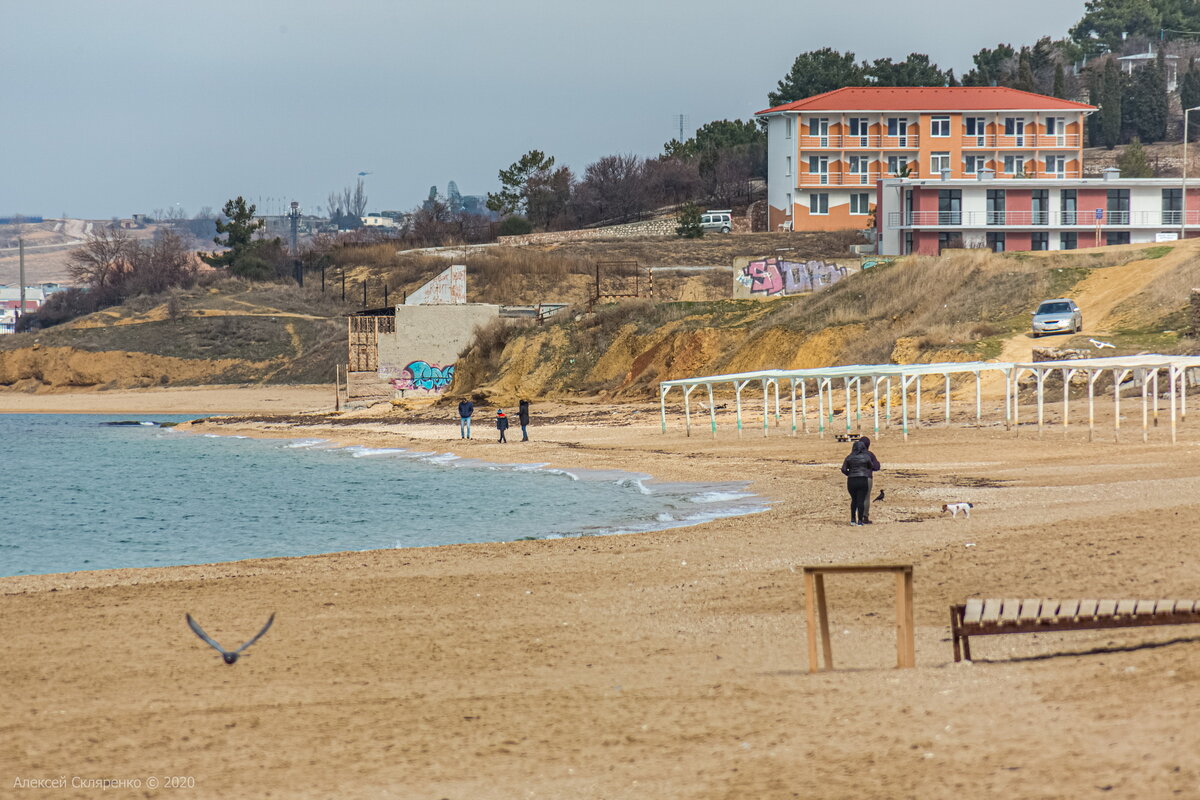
(737, 390)
(712, 410)
(803, 405)
(1154, 380)
(1118, 379)
(1092, 375)
(820, 409)
(1067, 375)
(1171, 376)
(766, 407)
(1145, 376)
(904, 379)
(793, 406)
(858, 403)
(917, 411)
(887, 417)
(1008, 410)
(687, 409)
(846, 411)
(662, 405)
(947, 376)
(775, 383)
(1041, 397)
(875, 401)
(979, 400)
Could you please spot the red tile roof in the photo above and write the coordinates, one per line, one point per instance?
(930, 98)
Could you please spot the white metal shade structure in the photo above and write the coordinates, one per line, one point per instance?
(849, 382)
(1143, 369)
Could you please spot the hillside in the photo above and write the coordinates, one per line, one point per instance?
(230, 333)
(967, 305)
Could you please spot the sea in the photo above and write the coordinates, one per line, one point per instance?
(86, 492)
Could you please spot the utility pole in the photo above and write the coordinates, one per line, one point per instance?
(21, 260)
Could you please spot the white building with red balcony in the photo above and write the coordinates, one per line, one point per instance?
(826, 153)
(926, 216)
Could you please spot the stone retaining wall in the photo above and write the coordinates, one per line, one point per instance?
(630, 230)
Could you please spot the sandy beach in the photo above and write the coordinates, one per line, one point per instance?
(656, 665)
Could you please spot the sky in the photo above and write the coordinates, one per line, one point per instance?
(127, 106)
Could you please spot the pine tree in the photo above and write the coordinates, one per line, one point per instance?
(1024, 80)
(1133, 162)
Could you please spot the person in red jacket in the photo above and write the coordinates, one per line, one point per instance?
(501, 423)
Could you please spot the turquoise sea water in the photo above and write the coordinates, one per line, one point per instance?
(79, 493)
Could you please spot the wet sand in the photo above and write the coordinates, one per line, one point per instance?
(656, 665)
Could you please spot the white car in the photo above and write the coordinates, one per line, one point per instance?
(1057, 316)
(720, 221)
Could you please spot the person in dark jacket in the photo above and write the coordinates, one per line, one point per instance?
(523, 418)
(858, 468)
(501, 423)
(866, 509)
(465, 409)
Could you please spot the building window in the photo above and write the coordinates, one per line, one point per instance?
(1068, 205)
(995, 207)
(976, 131)
(1117, 237)
(897, 164)
(818, 203)
(1039, 206)
(789, 166)
(1056, 166)
(939, 126)
(948, 241)
(1172, 206)
(939, 162)
(908, 243)
(1118, 208)
(818, 127)
(819, 165)
(1015, 127)
(1068, 241)
(858, 129)
(1040, 241)
(949, 206)
(860, 203)
(995, 242)
(1014, 165)
(787, 126)
(972, 164)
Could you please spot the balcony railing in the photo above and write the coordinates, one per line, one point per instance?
(1025, 141)
(1056, 219)
(846, 142)
(841, 178)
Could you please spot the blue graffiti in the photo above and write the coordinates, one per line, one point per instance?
(423, 375)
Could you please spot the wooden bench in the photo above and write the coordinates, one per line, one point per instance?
(846, 437)
(990, 617)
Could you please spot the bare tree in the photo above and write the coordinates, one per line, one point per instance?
(104, 258)
(354, 200)
(333, 205)
(614, 188)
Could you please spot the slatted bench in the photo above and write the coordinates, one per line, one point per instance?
(990, 617)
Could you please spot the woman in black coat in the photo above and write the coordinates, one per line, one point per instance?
(523, 418)
(858, 467)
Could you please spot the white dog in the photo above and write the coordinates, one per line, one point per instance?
(954, 508)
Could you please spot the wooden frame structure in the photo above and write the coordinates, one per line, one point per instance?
(818, 615)
(992, 617)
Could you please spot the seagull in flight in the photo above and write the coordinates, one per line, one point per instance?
(230, 656)
(1099, 345)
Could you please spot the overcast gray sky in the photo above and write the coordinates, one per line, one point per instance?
(112, 108)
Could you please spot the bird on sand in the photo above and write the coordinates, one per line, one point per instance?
(230, 656)
(880, 497)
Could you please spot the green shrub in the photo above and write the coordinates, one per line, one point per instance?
(515, 225)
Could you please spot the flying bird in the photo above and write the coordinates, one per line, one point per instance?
(1099, 345)
(230, 656)
(363, 173)
(880, 497)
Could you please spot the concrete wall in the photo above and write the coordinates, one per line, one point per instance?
(419, 357)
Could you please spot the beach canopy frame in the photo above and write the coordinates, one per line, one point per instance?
(825, 383)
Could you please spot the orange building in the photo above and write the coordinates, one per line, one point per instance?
(826, 153)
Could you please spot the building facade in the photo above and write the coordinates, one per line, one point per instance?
(826, 153)
(926, 216)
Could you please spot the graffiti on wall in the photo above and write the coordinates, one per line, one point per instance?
(423, 376)
(774, 277)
